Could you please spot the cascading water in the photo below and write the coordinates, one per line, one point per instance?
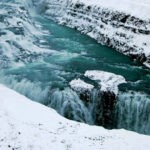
(41, 61)
(68, 104)
(133, 111)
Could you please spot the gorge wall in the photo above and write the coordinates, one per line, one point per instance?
(125, 29)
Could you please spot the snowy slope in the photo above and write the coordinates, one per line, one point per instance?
(28, 125)
(123, 25)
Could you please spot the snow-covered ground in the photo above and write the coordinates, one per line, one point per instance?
(26, 125)
(123, 25)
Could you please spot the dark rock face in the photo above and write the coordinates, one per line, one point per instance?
(85, 96)
(141, 58)
(105, 109)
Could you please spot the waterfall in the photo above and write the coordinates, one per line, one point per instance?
(68, 104)
(133, 112)
(33, 90)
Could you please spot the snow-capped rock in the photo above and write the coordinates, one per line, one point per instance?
(123, 25)
(79, 85)
(108, 81)
(82, 88)
(29, 125)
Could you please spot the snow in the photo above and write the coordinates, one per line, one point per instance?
(138, 8)
(107, 81)
(29, 125)
(134, 7)
(80, 86)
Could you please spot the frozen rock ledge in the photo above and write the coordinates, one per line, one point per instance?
(28, 125)
(80, 86)
(108, 81)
